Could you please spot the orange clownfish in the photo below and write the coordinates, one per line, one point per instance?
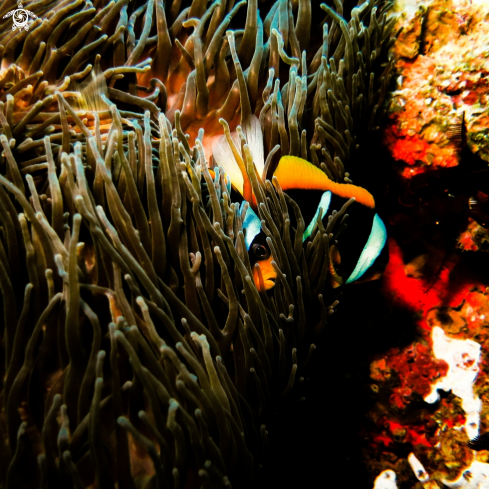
(362, 253)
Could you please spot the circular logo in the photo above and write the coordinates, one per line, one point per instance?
(20, 18)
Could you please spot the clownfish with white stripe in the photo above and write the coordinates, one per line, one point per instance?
(362, 253)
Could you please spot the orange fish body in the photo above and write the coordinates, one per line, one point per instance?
(295, 173)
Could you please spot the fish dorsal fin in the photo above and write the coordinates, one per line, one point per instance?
(224, 154)
(295, 173)
(254, 137)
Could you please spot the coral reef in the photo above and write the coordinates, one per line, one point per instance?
(446, 360)
(474, 238)
(412, 371)
(137, 350)
(429, 394)
(442, 65)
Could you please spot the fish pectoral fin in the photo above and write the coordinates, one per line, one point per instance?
(334, 255)
(335, 279)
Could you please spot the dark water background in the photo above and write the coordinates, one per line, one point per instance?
(317, 442)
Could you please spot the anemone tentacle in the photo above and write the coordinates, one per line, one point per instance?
(138, 350)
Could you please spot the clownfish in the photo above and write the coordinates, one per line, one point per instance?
(258, 250)
(362, 253)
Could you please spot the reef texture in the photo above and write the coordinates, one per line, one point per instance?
(442, 63)
(136, 349)
(430, 395)
(474, 238)
(448, 354)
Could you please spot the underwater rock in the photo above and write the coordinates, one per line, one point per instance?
(411, 370)
(474, 238)
(442, 65)
(436, 134)
(386, 480)
(462, 357)
(452, 340)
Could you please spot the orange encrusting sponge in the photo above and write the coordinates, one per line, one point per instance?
(295, 173)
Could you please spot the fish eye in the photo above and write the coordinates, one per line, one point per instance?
(260, 251)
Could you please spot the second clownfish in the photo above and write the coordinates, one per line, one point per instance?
(362, 253)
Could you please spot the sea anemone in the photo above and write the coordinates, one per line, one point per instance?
(137, 349)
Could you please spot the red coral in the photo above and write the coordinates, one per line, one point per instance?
(405, 289)
(413, 149)
(414, 434)
(457, 421)
(410, 171)
(470, 97)
(396, 431)
(466, 242)
(409, 149)
(474, 238)
(476, 310)
(382, 438)
(416, 370)
(410, 291)
(380, 371)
